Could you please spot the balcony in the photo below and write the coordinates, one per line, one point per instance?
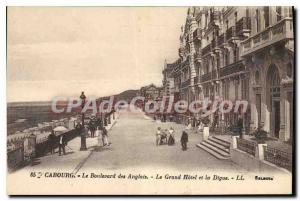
(206, 77)
(230, 33)
(185, 83)
(215, 15)
(221, 39)
(283, 30)
(243, 26)
(232, 68)
(206, 49)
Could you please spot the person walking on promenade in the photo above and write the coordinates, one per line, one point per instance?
(99, 136)
(51, 141)
(92, 126)
(184, 139)
(105, 137)
(171, 140)
(240, 126)
(158, 136)
(62, 144)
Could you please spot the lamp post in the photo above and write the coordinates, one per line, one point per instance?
(83, 139)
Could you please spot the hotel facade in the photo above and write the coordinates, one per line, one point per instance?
(238, 53)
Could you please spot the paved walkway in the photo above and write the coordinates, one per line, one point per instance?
(133, 146)
(133, 152)
(69, 162)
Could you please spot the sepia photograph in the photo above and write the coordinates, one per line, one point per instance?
(194, 100)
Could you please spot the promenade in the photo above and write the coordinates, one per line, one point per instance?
(133, 154)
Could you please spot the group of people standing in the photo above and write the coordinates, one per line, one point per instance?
(167, 136)
(100, 132)
(62, 143)
(102, 135)
(89, 130)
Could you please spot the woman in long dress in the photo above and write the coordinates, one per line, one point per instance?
(105, 137)
(158, 135)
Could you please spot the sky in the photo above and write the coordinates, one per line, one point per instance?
(61, 51)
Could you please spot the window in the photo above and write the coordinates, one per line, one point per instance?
(218, 62)
(247, 12)
(245, 88)
(289, 70)
(226, 24)
(257, 20)
(236, 53)
(206, 92)
(267, 16)
(227, 90)
(235, 17)
(278, 13)
(257, 78)
(236, 89)
(226, 57)
(290, 12)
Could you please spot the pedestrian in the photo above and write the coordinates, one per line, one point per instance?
(164, 117)
(105, 137)
(240, 126)
(171, 140)
(62, 144)
(189, 126)
(99, 135)
(158, 136)
(200, 126)
(184, 140)
(164, 137)
(92, 126)
(51, 141)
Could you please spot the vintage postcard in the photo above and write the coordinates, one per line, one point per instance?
(150, 100)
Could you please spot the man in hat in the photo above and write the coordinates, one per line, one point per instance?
(62, 144)
(184, 139)
(51, 141)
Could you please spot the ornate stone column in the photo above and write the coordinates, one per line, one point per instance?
(283, 105)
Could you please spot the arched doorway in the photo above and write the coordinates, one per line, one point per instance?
(273, 91)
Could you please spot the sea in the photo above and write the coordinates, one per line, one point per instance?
(23, 115)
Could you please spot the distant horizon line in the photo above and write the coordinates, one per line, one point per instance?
(49, 101)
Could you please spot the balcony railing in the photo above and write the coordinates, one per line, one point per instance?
(232, 68)
(198, 56)
(278, 157)
(230, 33)
(278, 32)
(246, 146)
(243, 26)
(206, 77)
(185, 83)
(206, 49)
(196, 79)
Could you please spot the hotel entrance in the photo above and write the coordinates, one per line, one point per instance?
(274, 92)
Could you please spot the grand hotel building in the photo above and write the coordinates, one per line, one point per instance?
(238, 53)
